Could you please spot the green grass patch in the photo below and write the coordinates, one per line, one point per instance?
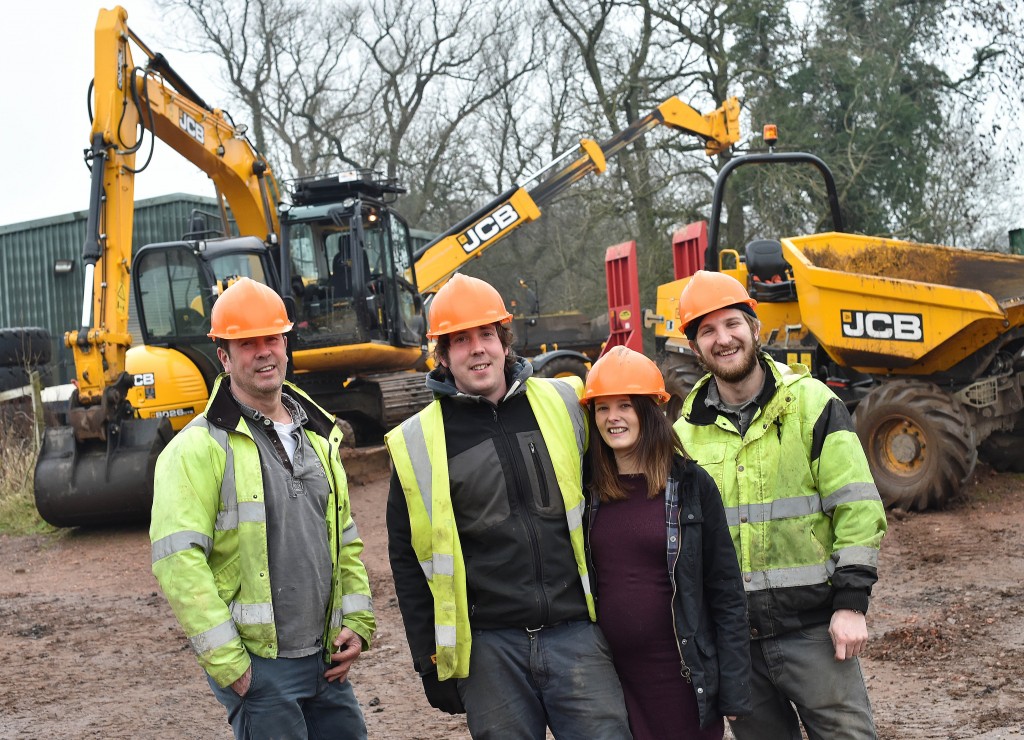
(18, 514)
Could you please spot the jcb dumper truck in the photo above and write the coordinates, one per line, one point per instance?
(924, 342)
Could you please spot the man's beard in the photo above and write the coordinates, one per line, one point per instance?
(733, 374)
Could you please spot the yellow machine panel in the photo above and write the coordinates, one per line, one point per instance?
(166, 384)
(888, 306)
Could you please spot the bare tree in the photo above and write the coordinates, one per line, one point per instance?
(281, 61)
(435, 69)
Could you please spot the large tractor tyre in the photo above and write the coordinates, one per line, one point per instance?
(25, 346)
(919, 444)
(563, 367)
(18, 377)
(1004, 451)
(681, 372)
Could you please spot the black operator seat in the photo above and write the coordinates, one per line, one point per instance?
(342, 276)
(771, 278)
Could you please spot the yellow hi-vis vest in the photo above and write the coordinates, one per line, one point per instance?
(420, 457)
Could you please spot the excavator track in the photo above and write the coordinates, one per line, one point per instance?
(402, 395)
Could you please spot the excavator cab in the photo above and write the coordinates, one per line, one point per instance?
(345, 256)
(347, 263)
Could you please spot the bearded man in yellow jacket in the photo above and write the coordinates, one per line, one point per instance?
(803, 511)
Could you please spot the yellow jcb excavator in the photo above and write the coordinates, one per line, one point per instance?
(92, 466)
(338, 253)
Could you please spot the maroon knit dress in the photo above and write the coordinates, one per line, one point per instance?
(634, 610)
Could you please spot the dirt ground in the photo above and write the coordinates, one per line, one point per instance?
(92, 650)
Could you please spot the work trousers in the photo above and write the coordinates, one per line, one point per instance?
(290, 698)
(797, 675)
(521, 682)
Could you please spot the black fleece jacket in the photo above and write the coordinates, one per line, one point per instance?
(520, 568)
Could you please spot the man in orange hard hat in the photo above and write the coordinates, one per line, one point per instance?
(485, 535)
(253, 541)
(804, 514)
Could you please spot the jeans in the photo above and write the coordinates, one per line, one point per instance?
(799, 670)
(560, 677)
(290, 698)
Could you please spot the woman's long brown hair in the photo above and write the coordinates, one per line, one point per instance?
(653, 452)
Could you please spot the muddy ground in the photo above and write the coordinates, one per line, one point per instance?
(91, 648)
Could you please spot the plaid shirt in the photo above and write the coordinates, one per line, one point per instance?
(672, 521)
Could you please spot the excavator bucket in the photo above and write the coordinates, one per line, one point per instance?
(97, 482)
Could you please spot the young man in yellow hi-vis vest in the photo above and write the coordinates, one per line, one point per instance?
(485, 524)
(253, 541)
(803, 510)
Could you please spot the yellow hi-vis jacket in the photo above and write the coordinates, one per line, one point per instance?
(209, 535)
(418, 451)
(803, 511)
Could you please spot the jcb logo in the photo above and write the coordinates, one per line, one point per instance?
(901, 327)
(488, 228)
(192, 127)
(143, 379)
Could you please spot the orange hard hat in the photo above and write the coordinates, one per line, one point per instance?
(624, 372)
(248, 309)
(464, 302)
(709, 291)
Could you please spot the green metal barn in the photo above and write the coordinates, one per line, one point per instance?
(41, 276)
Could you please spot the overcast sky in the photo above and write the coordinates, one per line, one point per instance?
(46, 63)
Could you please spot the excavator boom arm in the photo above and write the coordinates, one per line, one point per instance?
(127, 102)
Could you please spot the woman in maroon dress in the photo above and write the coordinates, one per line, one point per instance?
(669, 596)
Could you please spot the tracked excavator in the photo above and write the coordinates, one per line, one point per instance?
(335, 249)
(925, 343)
(361, 327)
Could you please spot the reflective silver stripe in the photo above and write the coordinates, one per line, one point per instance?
(586, 585)
(783, 508)
(252, 511)
(857, 555)
(356, 603)
(247, 511)
(849, 493)
(252, 613)
(337, 617)
(416, 445)
(577, 414)
(349, 604)
(226, 520)
(444, 565)
(445, 635)
(214, 638)
(574, 516)
(349, 534)
(227, 517)
(179, 542)
(805, 575)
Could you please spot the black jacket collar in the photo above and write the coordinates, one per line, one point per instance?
(225, 412)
